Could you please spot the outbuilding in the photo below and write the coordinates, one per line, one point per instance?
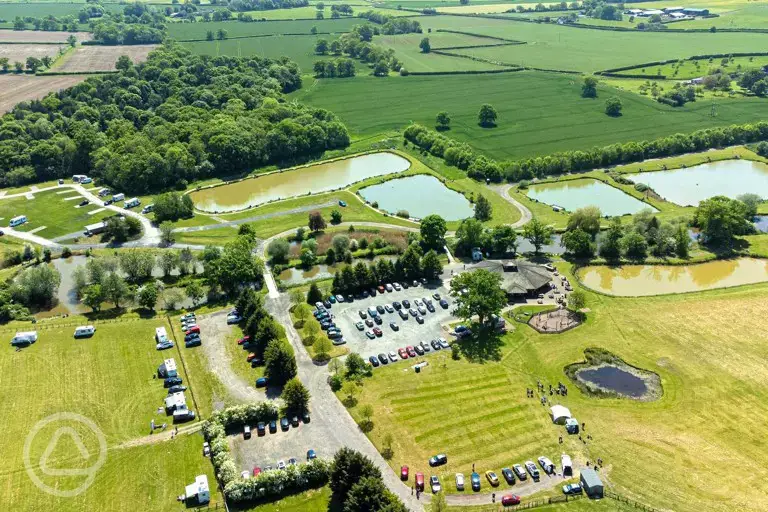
(591, 483)
(198, 491)
(565, 462)
(560, 414)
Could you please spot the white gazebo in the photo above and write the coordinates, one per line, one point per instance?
(559, 414)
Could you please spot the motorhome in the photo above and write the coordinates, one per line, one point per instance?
(85, 331)
(132, 202)
(18, 221)
(118, 197)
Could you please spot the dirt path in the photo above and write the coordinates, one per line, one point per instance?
(214, 332)
(526, 215)
(167, 435)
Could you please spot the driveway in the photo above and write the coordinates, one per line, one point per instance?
(525, 213)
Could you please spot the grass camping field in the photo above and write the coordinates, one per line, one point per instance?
(709, 416)
(107, 379)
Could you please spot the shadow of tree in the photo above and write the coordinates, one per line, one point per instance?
(365, 426)
(481, 346)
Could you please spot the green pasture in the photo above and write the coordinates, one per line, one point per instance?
(407, 48)
(694, 68)
(49, 209)
(109, 379)
(195, 31)
(709, 416)
(539, 113)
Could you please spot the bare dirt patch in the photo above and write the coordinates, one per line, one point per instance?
(101, 58)
(20, 52)
(39, 36)
(18, 88)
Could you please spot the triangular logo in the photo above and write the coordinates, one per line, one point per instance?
(77, 440)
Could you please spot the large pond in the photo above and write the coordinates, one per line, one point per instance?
(419, 195)
(643, 280)
(575, 194)
(690, 186)
(297, 182)
(613, 378)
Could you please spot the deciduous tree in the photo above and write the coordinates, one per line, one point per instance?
(481, 295)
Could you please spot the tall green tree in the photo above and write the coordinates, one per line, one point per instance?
(610, 244)
(503, 239)
(538, 233)
(314, 294)
(442, 121)
(371, 495)
(348, 468)
(147, 296)
(295, 396)
(721, 219)
(483, 208)
(682, 242)
(424, 45)
(587, 219)
(589, 87)
(578, 243)
(431, 267)
(433, 229)
(481, 295)
(487, 116)
(279, 362)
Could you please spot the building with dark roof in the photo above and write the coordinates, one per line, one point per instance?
(520, 278)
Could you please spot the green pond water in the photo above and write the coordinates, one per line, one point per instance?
(297, 182)
(644, 280)
(419, 195)
(575, 194)
(688, 187)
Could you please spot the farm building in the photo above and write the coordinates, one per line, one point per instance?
(519, 278)
(670, 10)
(690, 11)
(198, 491)
(591, 483)
(559, 414)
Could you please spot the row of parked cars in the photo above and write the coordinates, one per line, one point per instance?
(381, 289)
(324, 316)
(285, 425)
(374, 315)
(281, 464)
(191, 330)
(410, 351)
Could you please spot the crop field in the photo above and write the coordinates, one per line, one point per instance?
(101, 58)
(18, 88)
(50, 211)
(552, 46)
(688, 69)
(20, 52)
(713, 402)
(40, 36)
(198, 31)
(539, 113)
(107, 379)
(300, 49)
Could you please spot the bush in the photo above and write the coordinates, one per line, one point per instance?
(66, 252)
(403, 213)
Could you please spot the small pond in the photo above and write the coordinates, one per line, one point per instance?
(575, 194)
(643, 280)
(523, 245)
(613, 378)
(692, 185)
(761, 223)
(419, 195)
(297, 276)
(297, 182)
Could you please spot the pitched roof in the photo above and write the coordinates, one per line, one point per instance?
(518, 276)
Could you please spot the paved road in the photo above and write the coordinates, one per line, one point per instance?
(526, 215)
(233, 223)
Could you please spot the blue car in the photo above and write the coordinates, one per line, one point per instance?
(311, 454)
(261, 382)
(475, 482)
(342, 203)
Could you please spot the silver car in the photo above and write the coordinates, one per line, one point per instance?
(393, 356)
(459, 482)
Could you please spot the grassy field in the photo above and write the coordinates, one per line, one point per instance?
(556, 47)
(687, 69)
(51, 211)
(539, 113)
(108, 379)
(660, 453)
(316, 500)
(195, 31)
(407, 48)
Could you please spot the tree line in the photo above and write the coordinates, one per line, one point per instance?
(392, 25)
(357, 45)
(174, 119)
(259, 5)
(334, 68)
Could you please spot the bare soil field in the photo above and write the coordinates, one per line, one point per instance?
(101, 58)
(17, 88)
(40, 36)
(20, 52)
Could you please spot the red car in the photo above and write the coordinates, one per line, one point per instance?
(510, 499)
(256, 471)
(194, 328)
(403, 353)
(377, 331)
(244, 339)
(250, 357)
(403, 472)
(420, 482)
(381, 288)
(411, 351)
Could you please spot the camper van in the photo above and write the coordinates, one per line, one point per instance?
(78, 178)
(95, 229)
(132, 202)
(18, 221)
(104, 192)
(86, 181)
(85, 331)
(148, 208)
(22, 339)
(118, 197)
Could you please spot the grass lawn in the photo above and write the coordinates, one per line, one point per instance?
(109, 379)
(315, 500)
(709, 416)
(49, 209)
(688, 69)
(539, 113)
(237, 357)
(198, 31)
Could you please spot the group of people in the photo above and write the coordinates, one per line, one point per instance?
(560, 389)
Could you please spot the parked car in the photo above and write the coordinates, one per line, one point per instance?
(418, 349)
(510, 499)
(425, 346)
(362, 314)
(247, 432)
(377, 332)
(192, 336)
(311, 454)
(520, 472)
(176, 389)
(419, 319)
(546, 465)
(332, 299)
(284, 424)
(194, 328)
(273, 426)
(492, 478)
(374, 361)
(372, 312)
(305, 417)
(281, 464)
(397, 305)
(533, 470)
(572, 489)
(233, 318)
(411, 351)
(394, 326)
(360, 326)
(403, 314)
(430, 307)
(444, 303)
(295, 421)
(413, 312)
(405, 285)
(389, 308)
(164, 345)
(340, 298)
(261, 428)
(370, 334)
(256, 471)
(443, 343)
(328, 304)
(372, 292)
(262, 382)
(436, 296)
(397, 286)
(388, 287)
(403, 473)
(406, 304)
(195, 342)
(420, 482)
(108, 202)
(380, 309)
(417, 302)
(380, 288)
(459, 482)
(508, 475)
(343, 204)
(377, 320)
(434, 483)
(245, 475)
(392, 356)
(84, 202)
(369, 322)
(250, 357)
(403, 353)
(172, 381)
(383, 358)
(435, 344)
(475, 481)
(438, 460)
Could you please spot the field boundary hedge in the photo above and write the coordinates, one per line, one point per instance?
(465, 72)
(62, 43)
(255, 36)
(616, 71)
(443, 48)
(63, 73)
(480, 36)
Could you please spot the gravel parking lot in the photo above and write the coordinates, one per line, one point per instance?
(346, 315)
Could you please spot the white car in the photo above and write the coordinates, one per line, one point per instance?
(434, 482)
(245, 474)
(393, 356)
(281, 464)
(397, 286)
(233, 318)
(443, 343)
(459, 482)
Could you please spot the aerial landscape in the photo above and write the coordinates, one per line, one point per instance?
(391, 255)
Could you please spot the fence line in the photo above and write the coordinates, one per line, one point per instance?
(630, 502)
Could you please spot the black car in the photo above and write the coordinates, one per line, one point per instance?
(403, 314)
(383, 359)
(372, 291)
(378, 320)
(172, 381)
(380, 309)
(418, 349)
(327, 304)
(305, 417)
(394, 326)
(194, 342)
(397, 305)
(404, 285)
(84, 202)
(444, 303)
(176, 389)
(362, 314)
(438, 460)
(508, 475)
(284, 424)
(435, 344)
(436, 296)
(273, 426)
(430, 307)
(365, 294)
(374, 362)
(406, 304)
(419, 319)
(260, 429)
(191, 336)
(107, 202)
(413, 312)
(295, 421)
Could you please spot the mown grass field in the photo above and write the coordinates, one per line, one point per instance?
(195, 31)
(539, 113)
(300, 49)
(708, 349)
(407, 48)
(688, 69)
(109, 379)
(50, 210)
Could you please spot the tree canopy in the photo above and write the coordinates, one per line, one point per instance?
(481, 295)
